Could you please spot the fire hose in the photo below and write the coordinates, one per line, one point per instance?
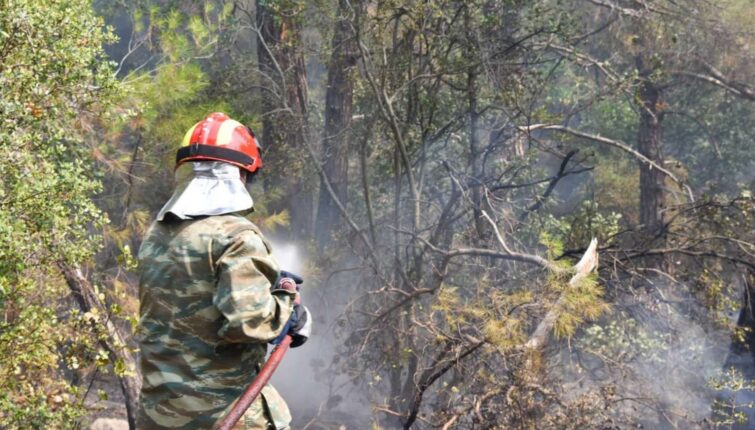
(254, 389)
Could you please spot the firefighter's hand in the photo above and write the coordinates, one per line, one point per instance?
(299, 327)
(286, 274)
(302, 327)
(289, 283)
(300, 324)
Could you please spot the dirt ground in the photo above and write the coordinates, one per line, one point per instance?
(108, 413)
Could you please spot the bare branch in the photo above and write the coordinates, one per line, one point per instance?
(551, 186)
(610, 142)
(737, 88)
(482, 252)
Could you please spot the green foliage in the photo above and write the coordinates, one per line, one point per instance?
(578, 228)
(554, 246)
(55, 82)
(493, 314)
(728, 412)
(581, 301)
(503, 328)
(623, 339)
(718, 295)
(33, 392)
(617, 185)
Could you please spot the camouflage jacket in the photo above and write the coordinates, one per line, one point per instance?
(206, 315)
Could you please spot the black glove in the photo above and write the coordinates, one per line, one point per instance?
(301, 326)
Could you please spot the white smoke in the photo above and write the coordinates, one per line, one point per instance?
(288, 256)
(661, 352)
(314, 393)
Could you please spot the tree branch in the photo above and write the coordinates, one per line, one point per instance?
(610, 142)
(551, 186)
(586, 264)
(716, 78)
(115, 344)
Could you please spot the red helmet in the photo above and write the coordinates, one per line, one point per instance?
(219, 138)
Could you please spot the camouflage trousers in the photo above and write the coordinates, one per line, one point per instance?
(268, 412)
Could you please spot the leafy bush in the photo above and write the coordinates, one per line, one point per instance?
(55, 83)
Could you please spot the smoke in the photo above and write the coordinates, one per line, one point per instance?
(305, 379)
(666, 362)
(289, 257)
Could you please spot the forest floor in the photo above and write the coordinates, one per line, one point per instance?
(108, 414)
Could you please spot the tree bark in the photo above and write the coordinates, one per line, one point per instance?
(649, 144)
(338, 111)
(475, 146)
(742, 350)
(114, 344)
(741, 357)
(476, 158)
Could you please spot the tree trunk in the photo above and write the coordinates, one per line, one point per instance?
(741, 357)
(742, 350)
(476, 158)
(285, 125)
(475, 147)
(649, 144)
(114, 344)
(338, 110)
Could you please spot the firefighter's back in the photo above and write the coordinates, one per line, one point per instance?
(190, 374)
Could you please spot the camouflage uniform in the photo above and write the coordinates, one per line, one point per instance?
(207, 314)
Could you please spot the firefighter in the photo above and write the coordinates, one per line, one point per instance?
(209, 297)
